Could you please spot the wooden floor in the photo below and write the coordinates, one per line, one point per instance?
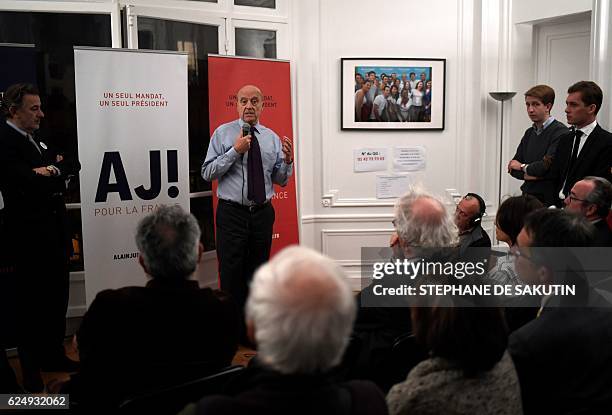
(242, 357)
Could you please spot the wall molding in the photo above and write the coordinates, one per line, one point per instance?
(346, 218)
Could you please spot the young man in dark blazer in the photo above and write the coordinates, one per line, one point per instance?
(588, 150)
(533, 159)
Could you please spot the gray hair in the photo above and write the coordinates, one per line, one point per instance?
(601, 195)
(303, 311)
(168, 240)
(434, 228)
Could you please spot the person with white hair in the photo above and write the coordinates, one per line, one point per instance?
(300, 312)
(424, 229)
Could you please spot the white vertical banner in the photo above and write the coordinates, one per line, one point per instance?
(133, 149)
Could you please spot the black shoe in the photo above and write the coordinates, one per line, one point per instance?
(63, 364)
(32, 382)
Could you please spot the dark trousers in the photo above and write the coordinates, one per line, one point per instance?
(42, 288)
(244, 239)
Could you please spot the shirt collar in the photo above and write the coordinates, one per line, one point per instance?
(256, 126)
(19, 130)
(544, 125)
(588, 129)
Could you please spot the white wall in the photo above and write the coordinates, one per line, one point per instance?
(339, 210)
(532, 20)
(488, 45)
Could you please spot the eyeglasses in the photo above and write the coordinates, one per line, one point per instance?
(575, 199)
(515, 252)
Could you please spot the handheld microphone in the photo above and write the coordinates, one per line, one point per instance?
(246, 130)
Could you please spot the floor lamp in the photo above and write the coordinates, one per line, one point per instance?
(501, 97)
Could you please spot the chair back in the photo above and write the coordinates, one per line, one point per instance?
(405, 354)
(173, 399)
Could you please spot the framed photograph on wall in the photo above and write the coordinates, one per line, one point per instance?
(392, 93)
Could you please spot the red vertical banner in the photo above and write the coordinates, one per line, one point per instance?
(226, 75)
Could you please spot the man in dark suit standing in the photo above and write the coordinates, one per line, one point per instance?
(32, 182)
(588, 150)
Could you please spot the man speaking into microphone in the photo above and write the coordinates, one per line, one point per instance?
(247, 159)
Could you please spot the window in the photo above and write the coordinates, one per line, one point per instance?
(269, 4)
(198, 40)
(54, 35)
(256, 43)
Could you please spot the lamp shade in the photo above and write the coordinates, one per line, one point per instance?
(502, 96)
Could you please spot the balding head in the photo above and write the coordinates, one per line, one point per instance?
(301, 310)
(422, 221)
(250, 103)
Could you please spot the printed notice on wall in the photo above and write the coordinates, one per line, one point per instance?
(370, 159)
(391, 186)
(409, 158)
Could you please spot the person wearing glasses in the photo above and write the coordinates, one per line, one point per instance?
(32, 181)
(591, 198)
(563, 357)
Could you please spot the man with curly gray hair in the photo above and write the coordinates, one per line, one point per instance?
(136, 339)
(300, 312)
(422, 223)
(424, 230)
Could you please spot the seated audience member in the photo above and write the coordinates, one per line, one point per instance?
(469, 370)
(136, 339)
(299, 313)
(591, 197)
(508, 223)
(563, 357)
(424, 230)
(468, 218)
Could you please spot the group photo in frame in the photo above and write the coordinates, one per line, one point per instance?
(392, 93)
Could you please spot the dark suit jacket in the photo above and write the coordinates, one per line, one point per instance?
(135, 339)
(564, 359)
(603, 235)
(28, 196)
(262, 391)
(475, 246)
(595, 158)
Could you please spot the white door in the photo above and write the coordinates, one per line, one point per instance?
(562, 57)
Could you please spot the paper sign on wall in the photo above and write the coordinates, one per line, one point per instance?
(370, 159)
(391, 186)
(409, 158)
